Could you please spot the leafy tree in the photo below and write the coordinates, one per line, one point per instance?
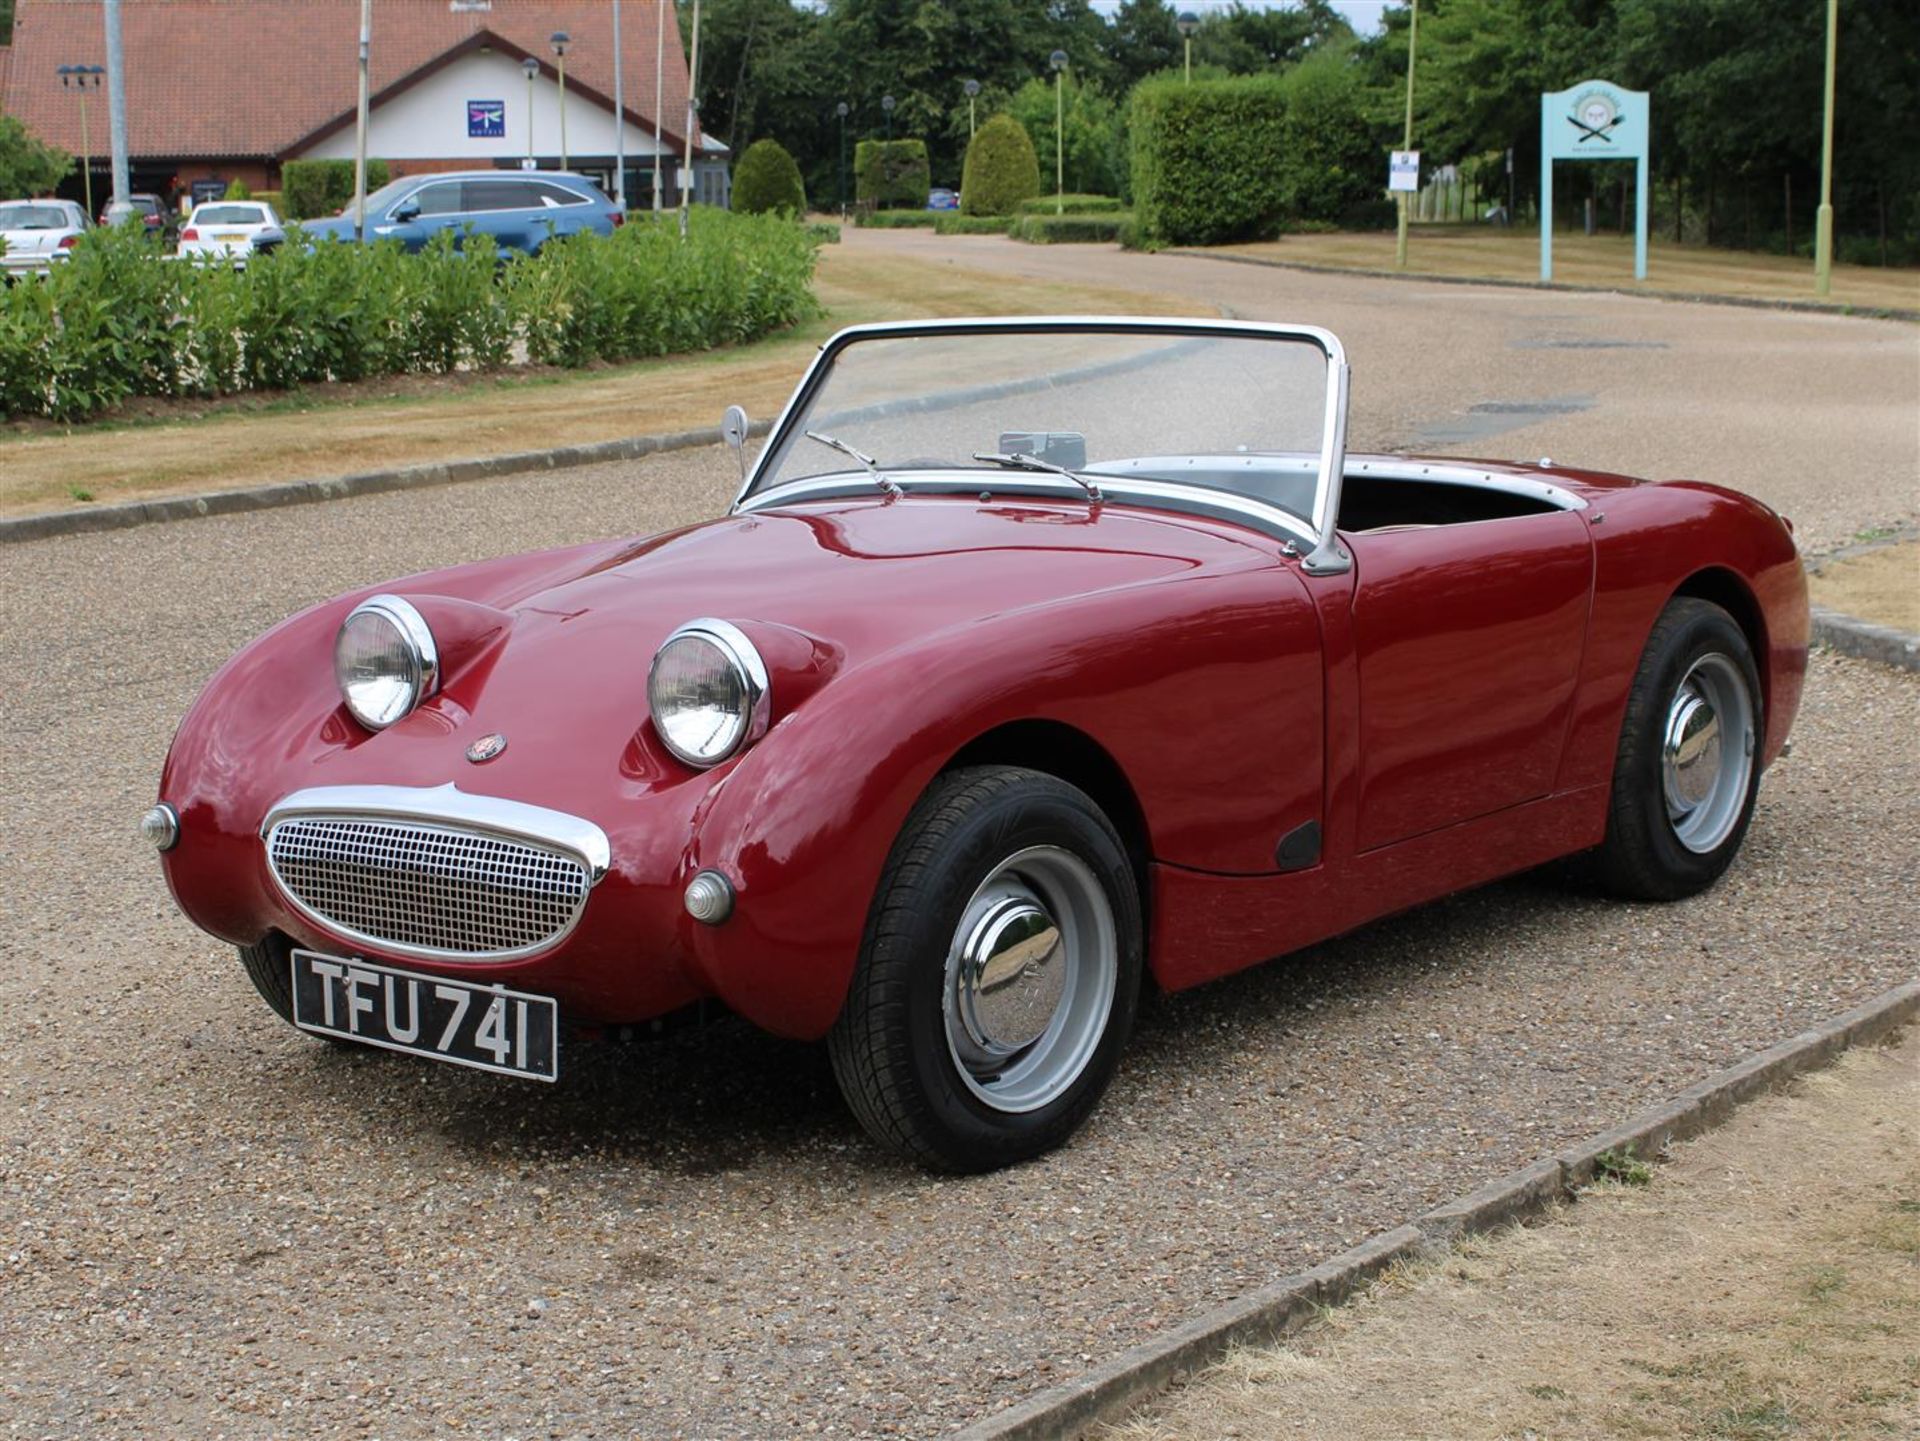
(27, 166)
(766, 179)
(1142, 40)
(1095, 150)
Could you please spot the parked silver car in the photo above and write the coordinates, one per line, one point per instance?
(38, 233)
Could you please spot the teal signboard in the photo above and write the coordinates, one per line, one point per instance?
(1594, 120)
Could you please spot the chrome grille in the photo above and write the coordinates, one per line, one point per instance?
(427, 889)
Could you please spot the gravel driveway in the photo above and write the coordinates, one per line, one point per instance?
(213, 1226)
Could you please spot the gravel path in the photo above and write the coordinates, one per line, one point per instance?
(213, 1226)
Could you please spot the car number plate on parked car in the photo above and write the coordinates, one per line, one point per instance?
(229, 235)
(487, 1027)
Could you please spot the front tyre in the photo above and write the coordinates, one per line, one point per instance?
(1688, 766)
(997, 982)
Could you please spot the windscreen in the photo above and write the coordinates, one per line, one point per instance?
(1233, 412)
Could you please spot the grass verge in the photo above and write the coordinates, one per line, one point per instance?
(173, 448)
(1482, 252)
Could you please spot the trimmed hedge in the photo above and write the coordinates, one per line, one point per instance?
(117, 321)
(823, 232)
(314, 188)
(890, 173)
(1331, 162)
(1001, 169)
(1070, 229)
(766, 179)
(1208, 159)
(953, 223)
(1075, 205)
(895, 219)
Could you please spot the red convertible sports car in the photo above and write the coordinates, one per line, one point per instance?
(1034, 659)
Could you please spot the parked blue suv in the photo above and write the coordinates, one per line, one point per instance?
(520, 209)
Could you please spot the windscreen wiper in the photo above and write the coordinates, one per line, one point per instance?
(833, 442)
(1020, 460)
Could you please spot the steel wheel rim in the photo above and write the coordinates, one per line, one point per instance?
(1031, 972)
(1706, 752)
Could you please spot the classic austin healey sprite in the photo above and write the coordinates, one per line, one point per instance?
(1035, 658)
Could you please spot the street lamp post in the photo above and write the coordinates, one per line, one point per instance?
(842, 110)
(693, 117)
(83, 78)
(619, 115)
(972, 88)
(1188, 23)
(532, 69)
(1059, 62)
(1823, 218)
(886, 104)
(559, 40)
(1413, 39)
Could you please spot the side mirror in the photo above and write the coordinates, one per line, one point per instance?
(408, 212)
(733, 429)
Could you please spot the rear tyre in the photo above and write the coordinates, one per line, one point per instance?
(999, 975)
(1688, 766)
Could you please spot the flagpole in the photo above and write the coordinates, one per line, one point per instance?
(619, 114)
(659, 100)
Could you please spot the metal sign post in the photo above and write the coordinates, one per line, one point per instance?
(1594, 120)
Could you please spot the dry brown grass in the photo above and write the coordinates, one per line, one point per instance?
(1881, 585)
(1766, 1285)
(341, 430)
(1603, 260)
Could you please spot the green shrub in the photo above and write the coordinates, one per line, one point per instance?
(823, 232)
(766, 179)
(952, 222)
(895, 219)
(274, 198)
(1075, 205)
(891, 173)
(1207, 159)
(1001, 169)
(238, 190)
(116, 321)
(1329, 160)
(1069, 229)
(324, 187)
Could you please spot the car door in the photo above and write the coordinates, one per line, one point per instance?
(417, 217)
(1469, 639)
(500, 208)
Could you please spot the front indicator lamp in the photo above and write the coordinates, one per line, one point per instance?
(160, 827)
(709, 898)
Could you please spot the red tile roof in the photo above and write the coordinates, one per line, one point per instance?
(239, 78)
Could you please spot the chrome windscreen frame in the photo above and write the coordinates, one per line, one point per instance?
(1324, 553)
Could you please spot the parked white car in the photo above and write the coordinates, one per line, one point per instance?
(38, 233)
(230, 229)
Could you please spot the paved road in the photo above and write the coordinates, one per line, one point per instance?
(210, 1225)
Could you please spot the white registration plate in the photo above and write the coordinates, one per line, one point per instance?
(489, 1028)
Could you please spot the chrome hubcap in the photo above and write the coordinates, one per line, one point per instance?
(1706, 752)
(1030, 978)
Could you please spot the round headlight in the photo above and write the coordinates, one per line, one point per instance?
(708, 692)
(385, 661)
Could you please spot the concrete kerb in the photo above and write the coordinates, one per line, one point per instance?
(1109, 1390)
(1865, 640)
(373, 482)
(1747, 302)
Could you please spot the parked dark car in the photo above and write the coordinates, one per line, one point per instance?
(154, 213)
(521, 210)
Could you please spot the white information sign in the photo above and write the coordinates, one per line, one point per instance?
(1403, 170)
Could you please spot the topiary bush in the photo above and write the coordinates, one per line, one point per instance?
(324, 187)
(1001, 169)
(892, 173)
(766, 181)
(1209, 159)
(951, 222)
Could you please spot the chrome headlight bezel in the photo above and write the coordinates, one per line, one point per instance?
(743, 658)
(420, 679)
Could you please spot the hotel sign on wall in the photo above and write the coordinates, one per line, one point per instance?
(486, 119)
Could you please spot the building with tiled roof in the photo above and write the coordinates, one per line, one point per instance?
(231, 89)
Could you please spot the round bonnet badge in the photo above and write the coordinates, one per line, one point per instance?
(486, 748)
